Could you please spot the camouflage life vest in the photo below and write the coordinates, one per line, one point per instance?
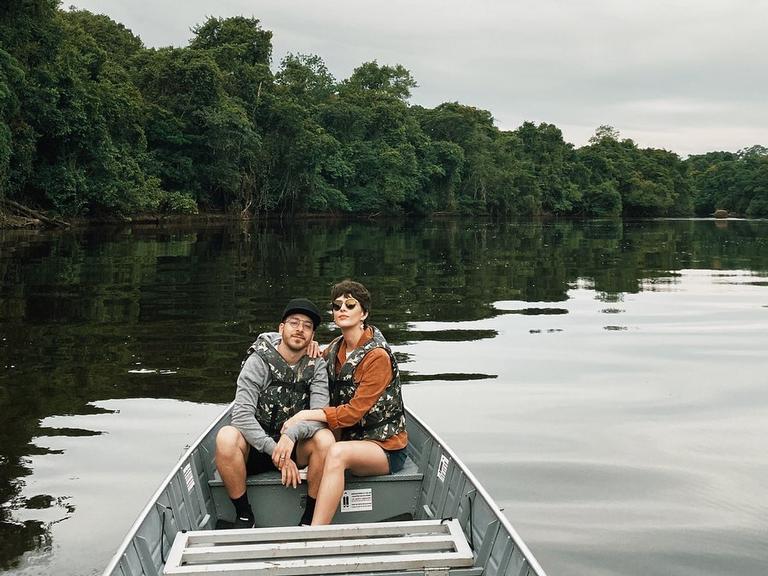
(288, 389)
(387, 416)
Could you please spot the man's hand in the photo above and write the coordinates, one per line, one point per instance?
(282, 452)
(313, 350)
(290, 474)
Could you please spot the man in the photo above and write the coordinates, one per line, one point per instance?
(277, 380)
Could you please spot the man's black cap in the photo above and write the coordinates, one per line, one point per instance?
(303, 306)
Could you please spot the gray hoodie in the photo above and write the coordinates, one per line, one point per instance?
(255, 377)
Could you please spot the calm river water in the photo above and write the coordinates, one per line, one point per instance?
(606, 381)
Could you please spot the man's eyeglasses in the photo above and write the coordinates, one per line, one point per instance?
(295, 323)
(350, 303)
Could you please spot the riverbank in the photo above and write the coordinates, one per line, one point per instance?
(11, 220)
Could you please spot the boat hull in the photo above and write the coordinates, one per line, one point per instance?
(435, 484)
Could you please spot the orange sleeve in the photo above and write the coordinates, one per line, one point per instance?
(372, 375)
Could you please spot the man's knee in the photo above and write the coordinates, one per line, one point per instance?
(322, 441)
(229, 442)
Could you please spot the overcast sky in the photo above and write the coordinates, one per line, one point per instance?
(689, 76)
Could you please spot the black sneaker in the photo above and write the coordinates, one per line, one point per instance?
(244, 522)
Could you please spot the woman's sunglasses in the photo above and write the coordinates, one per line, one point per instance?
(350, 303)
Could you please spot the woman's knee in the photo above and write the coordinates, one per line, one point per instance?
(336, 456)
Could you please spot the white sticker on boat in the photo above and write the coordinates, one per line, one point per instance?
(189, 477)
(442, 468)
(357, 500)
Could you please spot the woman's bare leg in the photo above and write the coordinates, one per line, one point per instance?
(361, 457)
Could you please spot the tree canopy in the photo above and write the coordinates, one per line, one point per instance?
(93, 123)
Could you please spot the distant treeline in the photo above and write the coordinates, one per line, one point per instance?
(94, 124)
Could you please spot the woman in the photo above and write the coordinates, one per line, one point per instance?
(366, 403)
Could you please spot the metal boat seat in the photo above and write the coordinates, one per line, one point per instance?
(368, 499)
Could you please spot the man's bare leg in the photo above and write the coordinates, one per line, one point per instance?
(231, 455)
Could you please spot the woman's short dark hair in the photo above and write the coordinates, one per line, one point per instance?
(356, 290)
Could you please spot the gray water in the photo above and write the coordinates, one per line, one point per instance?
(605, 381)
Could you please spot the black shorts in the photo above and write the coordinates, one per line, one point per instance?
(259, 462)
(396, 459)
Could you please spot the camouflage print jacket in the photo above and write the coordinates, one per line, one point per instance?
(269, 391)
(387, 416)
(288, 391)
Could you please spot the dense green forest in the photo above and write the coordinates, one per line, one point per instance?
(94, 124)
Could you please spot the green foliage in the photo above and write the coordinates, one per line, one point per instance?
(649, 182)
(472, 130)
(28, 30)
(176, 203)
(11, 75)
(201, 140)
(443, 163)
(548, 161)
(112, 37)
(604, 132)
(602, 200)
(371, 79)
(758, 207)
(735, 182)
(242, 51)
(94, 123)
(306, 78)
(78, 140)
(238, 38)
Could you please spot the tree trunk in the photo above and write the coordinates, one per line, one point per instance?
(24, 211)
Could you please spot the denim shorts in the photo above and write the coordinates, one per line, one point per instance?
(396, 459)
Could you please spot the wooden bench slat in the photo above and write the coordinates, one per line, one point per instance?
(327, 565)
(317, 532)
(457, 533)
(318, 548)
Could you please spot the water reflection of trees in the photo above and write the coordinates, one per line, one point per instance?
(79, 310)
(16, 538)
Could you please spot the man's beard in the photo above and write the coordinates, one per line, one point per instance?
(291, 345)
